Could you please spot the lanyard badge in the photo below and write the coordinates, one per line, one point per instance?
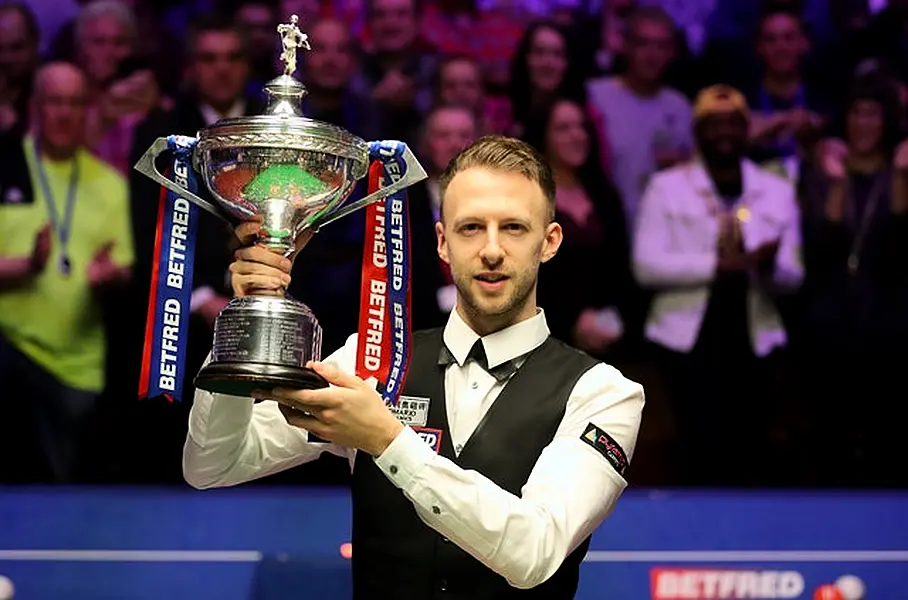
(61, 224)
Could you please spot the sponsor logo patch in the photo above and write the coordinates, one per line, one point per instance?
(430, 436)
(606, 446)
(411, 410)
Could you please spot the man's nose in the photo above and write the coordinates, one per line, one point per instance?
(492, 252)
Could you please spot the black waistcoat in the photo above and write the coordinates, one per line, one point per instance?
(398, 557)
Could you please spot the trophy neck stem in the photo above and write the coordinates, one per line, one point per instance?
(278, 245)
(281, 294)
(285, 96)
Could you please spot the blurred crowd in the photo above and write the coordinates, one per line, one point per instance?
(762, 301)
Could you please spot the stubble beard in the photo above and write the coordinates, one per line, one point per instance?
(495, 312)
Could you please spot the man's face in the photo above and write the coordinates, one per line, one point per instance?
(259, 21)
(448, 131)
(723, 136)
(393, 24)
(495, 233)
(461, 84)
(105, 44)
(782, 43)
(650, 48)
(219, 68)
(330, 63)
(18, 51)
(59, 106)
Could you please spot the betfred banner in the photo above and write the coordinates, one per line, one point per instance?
(860, 576)
(750, 546)
(713, 583)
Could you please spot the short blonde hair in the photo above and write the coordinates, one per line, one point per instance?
(502, 153)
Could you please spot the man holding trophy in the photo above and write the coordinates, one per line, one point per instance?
(482, 466)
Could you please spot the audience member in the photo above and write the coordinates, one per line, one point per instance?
(259, 19)
(399, 66)
(644, 124)
(19, 41)
(545, 66)
(332, 95)
(64, 239)
(788, 111)
(717, 238)
(448, 130)
(587, 287)
(154, 45)
(607, 40)
(122, 89)
(856, 212)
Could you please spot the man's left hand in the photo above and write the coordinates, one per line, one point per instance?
(102, 271)
(350, 413)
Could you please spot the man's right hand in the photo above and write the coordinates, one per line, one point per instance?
(40, 250)
(257, 270)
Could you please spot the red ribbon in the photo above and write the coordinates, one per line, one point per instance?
(373, 352)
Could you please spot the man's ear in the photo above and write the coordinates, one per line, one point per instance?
(442, 242)
(553, 238)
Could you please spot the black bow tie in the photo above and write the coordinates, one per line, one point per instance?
(478, 353)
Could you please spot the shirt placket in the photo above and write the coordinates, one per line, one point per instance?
(477, 385)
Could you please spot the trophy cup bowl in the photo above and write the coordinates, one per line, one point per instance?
(287, 174)
(290, 173)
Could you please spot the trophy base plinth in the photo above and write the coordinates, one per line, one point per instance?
(241, 379)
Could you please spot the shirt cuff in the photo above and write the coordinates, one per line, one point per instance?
(404, 458)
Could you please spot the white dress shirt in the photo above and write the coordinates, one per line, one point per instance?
(675, 251)
(570, 491)
(211, 115)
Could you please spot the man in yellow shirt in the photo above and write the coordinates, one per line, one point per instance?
(65, 236)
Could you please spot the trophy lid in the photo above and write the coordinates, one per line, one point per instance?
(282, 125)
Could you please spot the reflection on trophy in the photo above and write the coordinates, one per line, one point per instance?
(291, 173)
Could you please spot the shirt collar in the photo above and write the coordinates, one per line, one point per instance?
(509, 343)
(211, 116)
(751, 186)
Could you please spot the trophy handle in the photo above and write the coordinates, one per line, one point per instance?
(415, 173)
(146, 166)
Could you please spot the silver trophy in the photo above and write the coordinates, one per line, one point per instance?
(293, 173)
